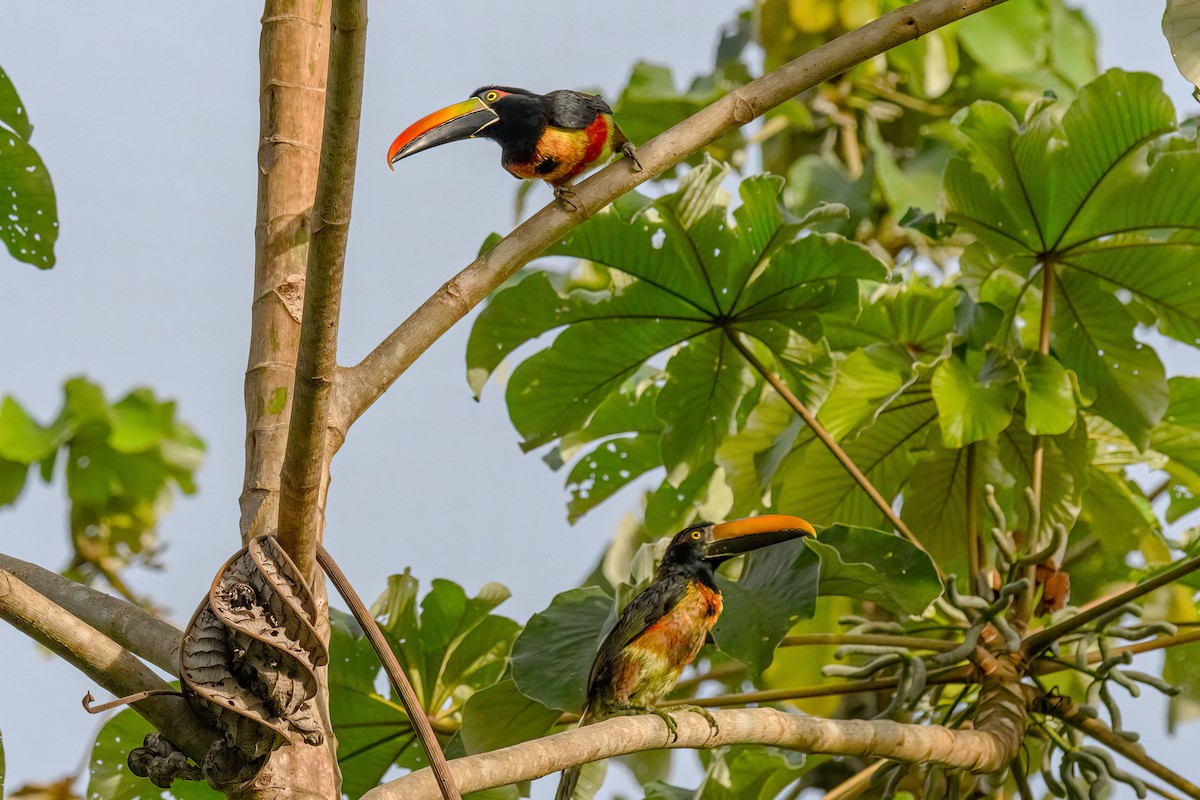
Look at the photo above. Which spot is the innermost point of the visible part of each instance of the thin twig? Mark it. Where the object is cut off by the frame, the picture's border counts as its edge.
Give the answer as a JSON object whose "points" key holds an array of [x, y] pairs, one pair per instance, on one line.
{"points": [[974, 543], [882, 639], [306, 460], [412, 704], [1039, 640], [827, 439], [856, 784], [1033, 537], [363, 383]]}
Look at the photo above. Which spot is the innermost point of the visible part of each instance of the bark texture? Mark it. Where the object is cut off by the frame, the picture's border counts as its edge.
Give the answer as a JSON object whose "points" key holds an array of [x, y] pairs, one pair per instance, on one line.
{"points": [[293, 59], [979, 750]]}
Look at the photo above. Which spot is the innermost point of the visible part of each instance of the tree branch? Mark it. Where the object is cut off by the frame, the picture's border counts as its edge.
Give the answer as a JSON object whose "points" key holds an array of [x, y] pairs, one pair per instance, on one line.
{"points": [[1069, 711], [1039, 640], [292, 52], [363, 383], [130, 626], [104, 661], [305, 462], [975, 750]]}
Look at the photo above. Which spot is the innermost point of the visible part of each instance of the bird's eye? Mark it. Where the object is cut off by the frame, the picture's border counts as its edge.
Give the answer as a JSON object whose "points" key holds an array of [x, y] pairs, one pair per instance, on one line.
{"points": [[696, 535], [491, 97]]}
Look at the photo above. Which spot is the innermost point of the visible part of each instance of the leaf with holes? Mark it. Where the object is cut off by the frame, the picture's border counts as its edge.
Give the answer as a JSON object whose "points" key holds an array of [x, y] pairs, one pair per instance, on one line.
{"points": [[29, 221], [670, 295]]}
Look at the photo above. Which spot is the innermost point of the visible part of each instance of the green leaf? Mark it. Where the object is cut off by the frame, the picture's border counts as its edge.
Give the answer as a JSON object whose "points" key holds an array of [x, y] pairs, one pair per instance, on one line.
{"points": [[752, 455], [1065, 468], [1049, 395], [12, 110], [816, 485], [750, 773], [451, 649], [12, 480], [1038, 41], [499, 716], [556, 390], [935, 500], [1119, 377], [604, 471], [29, 226], [667, 282], [22, 439], [707, 378], [974, 396], [553, 655], [109, 777], [880, 567], [778, 586]]}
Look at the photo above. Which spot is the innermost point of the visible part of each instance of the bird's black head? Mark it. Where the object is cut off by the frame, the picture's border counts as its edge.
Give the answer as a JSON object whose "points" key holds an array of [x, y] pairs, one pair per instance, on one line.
{"points": [[513, 117], [704, 545]]}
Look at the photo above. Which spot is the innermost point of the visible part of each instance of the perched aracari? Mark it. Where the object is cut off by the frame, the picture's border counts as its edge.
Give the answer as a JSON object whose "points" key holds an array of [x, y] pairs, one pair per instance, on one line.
{"points": [[555, 137], [664, 627]]}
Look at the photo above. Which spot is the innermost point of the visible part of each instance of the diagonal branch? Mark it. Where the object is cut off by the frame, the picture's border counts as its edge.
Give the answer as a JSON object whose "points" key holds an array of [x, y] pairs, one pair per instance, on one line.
{"points": [[975, 750], [130, 626], [361, 384], [305, 463], [831, 444], [1040, 640], [104, 661]]}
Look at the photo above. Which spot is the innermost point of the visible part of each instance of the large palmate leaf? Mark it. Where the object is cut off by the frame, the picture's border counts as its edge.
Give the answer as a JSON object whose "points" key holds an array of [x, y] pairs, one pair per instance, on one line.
{"points": [[451, 649], [670, 296], [1084, 190], [29, 225]]}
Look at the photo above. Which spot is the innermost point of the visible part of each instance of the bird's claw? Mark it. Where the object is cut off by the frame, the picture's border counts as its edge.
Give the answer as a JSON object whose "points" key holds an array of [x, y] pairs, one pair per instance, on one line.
{"points": [[704, 712], [630, 152], [564, 194]]}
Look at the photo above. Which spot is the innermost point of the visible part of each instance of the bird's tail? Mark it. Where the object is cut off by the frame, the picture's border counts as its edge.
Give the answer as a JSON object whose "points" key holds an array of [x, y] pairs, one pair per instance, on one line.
{"points": [[570, 775]]}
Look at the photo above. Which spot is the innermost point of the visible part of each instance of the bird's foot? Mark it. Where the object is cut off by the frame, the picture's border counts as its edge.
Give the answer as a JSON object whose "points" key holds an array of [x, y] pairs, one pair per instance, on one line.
{"points": [[630, 152], [704, 712], [668, 720], [564, 194]]}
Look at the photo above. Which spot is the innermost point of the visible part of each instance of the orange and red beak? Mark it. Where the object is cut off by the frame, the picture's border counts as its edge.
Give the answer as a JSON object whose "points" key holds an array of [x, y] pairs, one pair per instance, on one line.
{"points": [[741, 535], [463, 120]]}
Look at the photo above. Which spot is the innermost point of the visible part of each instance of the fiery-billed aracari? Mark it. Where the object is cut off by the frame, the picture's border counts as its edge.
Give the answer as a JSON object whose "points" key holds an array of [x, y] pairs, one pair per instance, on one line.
{"points": [[554, 137], [664, 627]]}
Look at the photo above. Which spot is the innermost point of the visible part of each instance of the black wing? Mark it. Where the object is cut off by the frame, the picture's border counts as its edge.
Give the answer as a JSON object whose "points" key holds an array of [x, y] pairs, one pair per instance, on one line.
{"points": [[574, 110], [643, 611]]}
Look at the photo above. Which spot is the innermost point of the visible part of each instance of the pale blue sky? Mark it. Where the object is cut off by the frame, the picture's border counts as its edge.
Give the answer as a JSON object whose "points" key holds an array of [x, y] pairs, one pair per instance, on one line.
{"points": [[147, 117]]}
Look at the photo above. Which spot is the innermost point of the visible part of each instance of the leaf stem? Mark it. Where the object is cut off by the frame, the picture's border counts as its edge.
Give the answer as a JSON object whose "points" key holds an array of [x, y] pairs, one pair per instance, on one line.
{"points": [[412, 704], [1033, 537], [827, 439], [974, 544]]}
